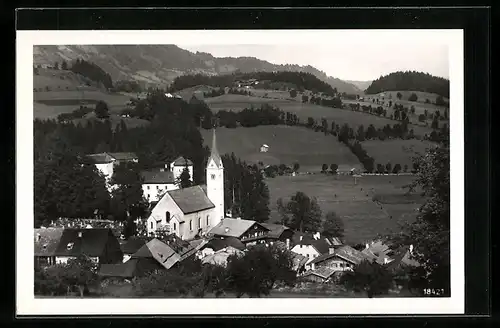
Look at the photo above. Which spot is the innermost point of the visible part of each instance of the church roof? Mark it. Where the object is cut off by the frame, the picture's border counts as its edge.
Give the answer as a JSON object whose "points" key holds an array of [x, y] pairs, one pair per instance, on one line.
{"points": [[214, 153], [181, 161], [192, 199], [157, 177]]}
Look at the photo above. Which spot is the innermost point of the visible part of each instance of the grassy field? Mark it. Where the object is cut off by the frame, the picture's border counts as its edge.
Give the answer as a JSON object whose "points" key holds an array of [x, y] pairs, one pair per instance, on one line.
{"points": [[287, 144], [395, 150], [363, 218], [340, 116]]}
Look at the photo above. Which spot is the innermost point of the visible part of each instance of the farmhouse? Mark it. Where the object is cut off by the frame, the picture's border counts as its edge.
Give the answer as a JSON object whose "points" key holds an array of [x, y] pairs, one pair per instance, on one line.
{"points": [[100, 245], [156, 182], [248, 231], [322, 274], [220, 257], [278, 232], [342, 259], [46, 242], [311, 246], [216, 244], [195, 210], [106, 162]]}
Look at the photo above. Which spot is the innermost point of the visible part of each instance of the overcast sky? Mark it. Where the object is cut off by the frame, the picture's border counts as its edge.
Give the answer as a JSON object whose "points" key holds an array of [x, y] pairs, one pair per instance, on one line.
{"points": [[353, 61]]}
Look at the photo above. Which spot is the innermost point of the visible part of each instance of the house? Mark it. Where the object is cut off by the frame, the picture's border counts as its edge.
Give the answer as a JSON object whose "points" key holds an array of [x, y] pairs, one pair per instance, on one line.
{"points": [[192, 211], [310, 245], [156, 182], [216, 244], [343, 259], [106, 162], [46, 242], [278, 232], [264, 148], [130, 247], [178, 165], [152, 256], [322, 274], [220, 257], [247, 231], [100, 245], [379, 252]]}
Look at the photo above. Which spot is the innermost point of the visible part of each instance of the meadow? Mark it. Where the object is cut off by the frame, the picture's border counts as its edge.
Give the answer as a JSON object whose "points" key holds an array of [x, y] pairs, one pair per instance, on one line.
{"points": [[395, 151], [363, 218], [287, 144], [305, 110]]}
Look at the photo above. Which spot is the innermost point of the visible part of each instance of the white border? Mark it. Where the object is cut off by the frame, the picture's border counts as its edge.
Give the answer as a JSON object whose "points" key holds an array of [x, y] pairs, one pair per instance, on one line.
{"points": [[28, 305]]}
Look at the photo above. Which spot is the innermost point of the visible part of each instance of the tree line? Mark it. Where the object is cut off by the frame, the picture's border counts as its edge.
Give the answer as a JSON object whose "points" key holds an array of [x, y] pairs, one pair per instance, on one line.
{"points": [[410, 80], [93, 72]]}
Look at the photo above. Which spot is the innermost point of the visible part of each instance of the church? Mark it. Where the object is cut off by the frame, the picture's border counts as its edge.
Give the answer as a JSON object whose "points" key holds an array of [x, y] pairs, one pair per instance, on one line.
{"points": [[195, 210]]}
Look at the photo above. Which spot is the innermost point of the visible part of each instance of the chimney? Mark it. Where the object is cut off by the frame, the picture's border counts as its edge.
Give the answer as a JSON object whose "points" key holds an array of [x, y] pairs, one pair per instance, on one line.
{"points": [[386, 260], [331, 250], [312, 266], [300, 238], [367, 246]]}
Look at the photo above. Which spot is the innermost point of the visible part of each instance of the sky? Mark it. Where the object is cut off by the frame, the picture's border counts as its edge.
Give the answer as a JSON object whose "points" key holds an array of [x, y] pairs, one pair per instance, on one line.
{"points": [[353, 61]]}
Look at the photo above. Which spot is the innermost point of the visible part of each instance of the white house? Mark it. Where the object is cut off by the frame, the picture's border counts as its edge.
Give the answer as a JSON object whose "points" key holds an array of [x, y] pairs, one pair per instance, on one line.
{"points": [[178, 165], [264, 148], [156, 183], [310, 246], [106, 162], [194, 210]]}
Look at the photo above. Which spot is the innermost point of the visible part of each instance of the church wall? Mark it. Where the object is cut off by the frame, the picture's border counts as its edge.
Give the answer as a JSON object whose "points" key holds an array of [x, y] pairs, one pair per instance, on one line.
{"points": [[159, 213], [198, 221]]}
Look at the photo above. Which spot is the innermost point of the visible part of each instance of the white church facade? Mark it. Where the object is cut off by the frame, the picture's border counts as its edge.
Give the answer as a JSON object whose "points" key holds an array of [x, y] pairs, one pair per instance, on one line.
{"points": [[195, 210]]}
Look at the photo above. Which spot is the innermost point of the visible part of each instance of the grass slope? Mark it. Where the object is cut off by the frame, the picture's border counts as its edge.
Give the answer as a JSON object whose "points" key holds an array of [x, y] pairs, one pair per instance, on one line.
{"points": [[305, 110], [395, 151], [363, 218], [287, 145]]}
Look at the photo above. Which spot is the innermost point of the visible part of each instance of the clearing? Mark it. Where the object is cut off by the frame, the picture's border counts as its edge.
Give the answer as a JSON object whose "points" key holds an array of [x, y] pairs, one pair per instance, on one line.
{"points": [[287, 144], [363, 218], [305, 110], [395, 151]]}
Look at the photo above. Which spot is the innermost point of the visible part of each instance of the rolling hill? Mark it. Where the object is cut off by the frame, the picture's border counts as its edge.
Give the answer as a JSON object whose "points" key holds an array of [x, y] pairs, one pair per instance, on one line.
{"points": [[161, 64], [410, 81], [361, 85]]}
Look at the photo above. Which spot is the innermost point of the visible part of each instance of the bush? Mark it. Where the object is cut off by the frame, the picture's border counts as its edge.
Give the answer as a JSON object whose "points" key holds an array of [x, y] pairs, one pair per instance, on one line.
{"points": [[371, 278], [413, 97]]}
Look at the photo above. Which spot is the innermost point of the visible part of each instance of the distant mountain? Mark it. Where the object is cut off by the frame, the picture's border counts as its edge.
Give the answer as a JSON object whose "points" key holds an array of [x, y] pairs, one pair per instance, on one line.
{"points": [[362, 85], [161, 64]]}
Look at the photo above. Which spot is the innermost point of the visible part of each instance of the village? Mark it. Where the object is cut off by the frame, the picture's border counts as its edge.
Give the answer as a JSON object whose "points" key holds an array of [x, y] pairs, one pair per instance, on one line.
{"points": [[184, 224]]}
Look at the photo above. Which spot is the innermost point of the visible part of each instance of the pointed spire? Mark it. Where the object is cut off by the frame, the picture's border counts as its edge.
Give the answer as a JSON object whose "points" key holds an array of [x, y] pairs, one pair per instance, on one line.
{"points": [[214, 153]]}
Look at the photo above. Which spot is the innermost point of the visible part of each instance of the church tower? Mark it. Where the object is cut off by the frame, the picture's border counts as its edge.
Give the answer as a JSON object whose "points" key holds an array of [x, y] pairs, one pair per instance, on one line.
{"points": [[215, 183]]}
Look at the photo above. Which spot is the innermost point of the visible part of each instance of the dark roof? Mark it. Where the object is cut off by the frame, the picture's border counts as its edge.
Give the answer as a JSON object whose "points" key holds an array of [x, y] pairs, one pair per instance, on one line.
{"points": [[46, 240], [192, 199], [92, 242], [101, 158], [123, 156], [132, 245], [321, 244], [159, 251], [233, 227], [157, 177], [275, 230], [218, 244], [181, 161]]}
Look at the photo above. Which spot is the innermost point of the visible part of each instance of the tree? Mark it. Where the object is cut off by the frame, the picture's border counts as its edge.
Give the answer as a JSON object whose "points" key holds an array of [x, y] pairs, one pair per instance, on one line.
{"points": [[405, 168], [128, 196], [324, 168], [396, 169], [64, 65], [334, 168], [388, 167], [413, 97], [440, 101], [101, 110], [302, 213], [296, 167], [399, 95], [371, 278], [56, 65], [293, 93], [305, 98], [421, 118], [184, 180], [430, 233], [333, 226]]}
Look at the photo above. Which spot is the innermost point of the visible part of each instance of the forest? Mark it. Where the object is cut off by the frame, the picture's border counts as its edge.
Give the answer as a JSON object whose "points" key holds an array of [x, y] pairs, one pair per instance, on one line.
{"points": [[93, 72], [410, 81]]}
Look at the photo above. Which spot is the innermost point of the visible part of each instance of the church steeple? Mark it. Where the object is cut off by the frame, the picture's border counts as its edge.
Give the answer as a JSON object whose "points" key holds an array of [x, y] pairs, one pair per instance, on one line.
{"points": [[214, 153]]}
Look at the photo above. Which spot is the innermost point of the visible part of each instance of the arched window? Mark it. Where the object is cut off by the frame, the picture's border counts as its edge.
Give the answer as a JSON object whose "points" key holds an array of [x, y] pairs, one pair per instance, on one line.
{"points": [[191, 225], [167, 215], [199, 222], [208, 222], [175, 227], [151, 224]]}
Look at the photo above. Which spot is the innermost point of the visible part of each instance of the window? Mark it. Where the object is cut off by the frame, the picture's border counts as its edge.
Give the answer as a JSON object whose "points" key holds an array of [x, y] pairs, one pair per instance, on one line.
{"points": [[207, 221], [147, 187], [151, 225], [167, 216], [191, 225], [199, 222], [334, 265], [213, 176], [175, 226], [157, 187]]}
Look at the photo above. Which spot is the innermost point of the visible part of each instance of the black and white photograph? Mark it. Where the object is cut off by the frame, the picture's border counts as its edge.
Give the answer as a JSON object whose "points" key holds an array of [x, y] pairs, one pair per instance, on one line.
{"points": [[176, 169]]}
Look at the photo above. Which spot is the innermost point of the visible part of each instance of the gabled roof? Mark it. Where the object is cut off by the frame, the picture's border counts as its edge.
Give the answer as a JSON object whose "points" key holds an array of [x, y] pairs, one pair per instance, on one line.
{"points": [[275, 230], [132, 245], [346, 253], [92, 242], [218, 244], [157, 177], [190, 200], [323, 272], [214, 153], [233, 227], [124, 156], [220, 257], [181, 161], [378, 251], [321, 244], [159, 251], [47, 240]]}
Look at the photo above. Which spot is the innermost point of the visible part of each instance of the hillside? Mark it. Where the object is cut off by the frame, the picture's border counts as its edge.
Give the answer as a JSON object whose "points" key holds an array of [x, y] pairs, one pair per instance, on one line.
{"points": [[161, 64], [410, 81], [361, 85]]}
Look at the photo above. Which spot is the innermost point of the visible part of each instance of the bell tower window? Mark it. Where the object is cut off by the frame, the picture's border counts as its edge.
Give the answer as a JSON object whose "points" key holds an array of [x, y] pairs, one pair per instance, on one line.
{"points": [[212, 176]]}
